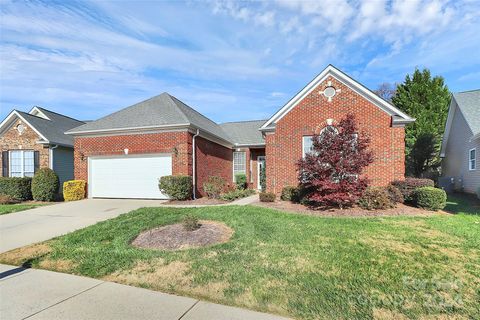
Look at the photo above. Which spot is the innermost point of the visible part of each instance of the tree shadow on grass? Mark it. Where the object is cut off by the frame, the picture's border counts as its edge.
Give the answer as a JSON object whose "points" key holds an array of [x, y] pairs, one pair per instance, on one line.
{"points": [[463, 203]]}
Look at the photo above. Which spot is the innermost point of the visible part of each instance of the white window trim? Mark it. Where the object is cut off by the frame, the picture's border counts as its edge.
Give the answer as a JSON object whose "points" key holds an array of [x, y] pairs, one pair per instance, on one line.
{"points": [[470, 160], [22, 152], [233, 164]]}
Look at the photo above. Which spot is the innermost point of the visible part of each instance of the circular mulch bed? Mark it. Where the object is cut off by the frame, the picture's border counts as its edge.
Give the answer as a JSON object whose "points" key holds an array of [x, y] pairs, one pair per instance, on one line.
{"points": [[175, 237]]}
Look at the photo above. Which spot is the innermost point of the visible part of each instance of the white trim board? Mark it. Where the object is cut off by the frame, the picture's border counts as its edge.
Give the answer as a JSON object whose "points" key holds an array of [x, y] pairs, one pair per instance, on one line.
{"points": [[38, 113], [8, 119], [349, 82]]}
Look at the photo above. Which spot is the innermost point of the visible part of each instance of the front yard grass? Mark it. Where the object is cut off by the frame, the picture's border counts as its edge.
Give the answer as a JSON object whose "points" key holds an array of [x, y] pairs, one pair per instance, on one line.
{"points": [[290, 264], [9, 208]]}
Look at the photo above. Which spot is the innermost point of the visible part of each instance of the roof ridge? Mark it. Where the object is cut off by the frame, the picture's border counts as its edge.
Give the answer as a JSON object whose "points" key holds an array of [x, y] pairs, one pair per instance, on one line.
{"points": [[186, 105], [172, 99], [57, 113], [30, 115], [243, 121], [467, 91]]}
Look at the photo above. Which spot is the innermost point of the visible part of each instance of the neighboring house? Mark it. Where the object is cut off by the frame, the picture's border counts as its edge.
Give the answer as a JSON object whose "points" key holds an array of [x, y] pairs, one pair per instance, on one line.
{"points": [[123, 154], [461, 142], [34, 140]]}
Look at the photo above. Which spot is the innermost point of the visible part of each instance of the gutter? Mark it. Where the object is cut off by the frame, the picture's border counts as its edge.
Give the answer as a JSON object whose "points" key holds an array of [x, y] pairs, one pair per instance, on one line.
{"points": [[194, 163], [50, 155]]}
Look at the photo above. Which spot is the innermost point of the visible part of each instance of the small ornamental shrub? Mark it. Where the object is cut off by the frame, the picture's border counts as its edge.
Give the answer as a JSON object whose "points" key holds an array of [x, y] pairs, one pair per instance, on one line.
{"points": [[241, 181], [289, 193], [267, 197], [375, 198], [236, 194], [430, 198], [190, 223], [6, 199], [394, 194], [332, 172], [45, 185], [17, 188], [74, 190], [176, 187], [214, 186], [408, 186]]}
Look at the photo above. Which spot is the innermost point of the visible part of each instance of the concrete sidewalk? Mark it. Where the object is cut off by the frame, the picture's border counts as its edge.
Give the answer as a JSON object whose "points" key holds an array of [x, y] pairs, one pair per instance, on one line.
{"points": [[40, 294]]}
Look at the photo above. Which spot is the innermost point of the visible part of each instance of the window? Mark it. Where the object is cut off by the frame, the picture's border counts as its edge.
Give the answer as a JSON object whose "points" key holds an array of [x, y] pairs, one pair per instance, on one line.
{"points": [[307, 145], [472, 159], [22, 163], [239, 163]]}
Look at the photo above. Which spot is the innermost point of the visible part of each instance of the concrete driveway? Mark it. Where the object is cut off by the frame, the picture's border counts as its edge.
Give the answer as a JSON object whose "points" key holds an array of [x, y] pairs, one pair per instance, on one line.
{"points": [[26, 227]]}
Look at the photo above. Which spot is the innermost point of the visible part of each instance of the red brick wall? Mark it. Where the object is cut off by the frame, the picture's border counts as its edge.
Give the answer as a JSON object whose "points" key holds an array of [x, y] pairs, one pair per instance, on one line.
{"points": [[179, 144], [212, 160], [284, 147]]}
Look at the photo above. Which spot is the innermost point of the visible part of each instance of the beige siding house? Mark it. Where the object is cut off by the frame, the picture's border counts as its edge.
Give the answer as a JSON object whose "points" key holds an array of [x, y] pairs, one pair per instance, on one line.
{"points": [[461, 142]]}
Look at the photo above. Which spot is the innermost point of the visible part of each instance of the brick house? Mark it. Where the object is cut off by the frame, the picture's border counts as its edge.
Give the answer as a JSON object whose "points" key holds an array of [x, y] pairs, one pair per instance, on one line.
{"points": [[123, 154], [34, 140]]}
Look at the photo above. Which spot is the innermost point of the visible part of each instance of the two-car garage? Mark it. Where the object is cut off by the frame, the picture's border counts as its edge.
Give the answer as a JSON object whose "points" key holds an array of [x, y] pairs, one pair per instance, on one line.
{"points": [[128, 176]]}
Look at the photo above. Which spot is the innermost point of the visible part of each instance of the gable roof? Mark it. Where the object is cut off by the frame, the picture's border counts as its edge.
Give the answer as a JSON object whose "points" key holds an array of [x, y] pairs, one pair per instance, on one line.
{"points": [[49, 125], [468, 104], [162, 111], [399, 117], [244, 133]]}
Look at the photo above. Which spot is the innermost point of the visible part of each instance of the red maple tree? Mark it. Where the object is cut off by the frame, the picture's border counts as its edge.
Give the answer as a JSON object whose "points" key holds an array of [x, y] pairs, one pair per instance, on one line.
{"points": [[330, 174]]}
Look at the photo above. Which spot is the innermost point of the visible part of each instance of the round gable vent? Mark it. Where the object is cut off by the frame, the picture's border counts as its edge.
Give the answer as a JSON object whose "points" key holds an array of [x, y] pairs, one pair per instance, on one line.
{"points": [[329, 92], [20, 128]]}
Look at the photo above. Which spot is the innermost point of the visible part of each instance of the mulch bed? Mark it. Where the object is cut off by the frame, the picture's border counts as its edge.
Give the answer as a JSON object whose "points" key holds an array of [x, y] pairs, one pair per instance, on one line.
{"points": [[400, 210], [196, 202], [175, 237]]}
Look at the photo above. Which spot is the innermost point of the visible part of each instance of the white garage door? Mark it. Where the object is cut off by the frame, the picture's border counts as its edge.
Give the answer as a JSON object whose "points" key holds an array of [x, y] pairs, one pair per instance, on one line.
{"points": [[131, 176]]}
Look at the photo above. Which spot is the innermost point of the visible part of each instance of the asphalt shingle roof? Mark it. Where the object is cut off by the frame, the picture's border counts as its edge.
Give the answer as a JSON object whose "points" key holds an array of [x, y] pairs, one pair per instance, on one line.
{"points": [[244, 132], [469, 104], [165, 109], [53, 129], [160, 110]]}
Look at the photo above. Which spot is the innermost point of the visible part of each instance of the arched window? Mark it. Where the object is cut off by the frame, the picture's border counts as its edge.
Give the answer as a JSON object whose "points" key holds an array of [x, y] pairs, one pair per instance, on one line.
{"points": [[328, 130], [307, 142]]}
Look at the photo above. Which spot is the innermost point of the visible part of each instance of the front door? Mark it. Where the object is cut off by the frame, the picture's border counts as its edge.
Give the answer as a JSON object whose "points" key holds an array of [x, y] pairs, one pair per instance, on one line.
{"points": [[260, 166]]}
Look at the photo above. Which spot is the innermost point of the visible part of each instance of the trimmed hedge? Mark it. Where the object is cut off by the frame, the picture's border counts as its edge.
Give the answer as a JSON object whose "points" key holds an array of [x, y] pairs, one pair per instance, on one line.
{"points": [[241, 181], [408, 186], [430, 198], [16, 188], [375, 198], [74, 190], [214, 186], [45, 185], [236, 194], [176, 187], [289, 193], [267, 197]]}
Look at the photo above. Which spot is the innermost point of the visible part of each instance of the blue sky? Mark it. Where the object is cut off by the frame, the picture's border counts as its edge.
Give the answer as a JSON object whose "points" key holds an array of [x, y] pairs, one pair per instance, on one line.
{"points": [[230, 60]]}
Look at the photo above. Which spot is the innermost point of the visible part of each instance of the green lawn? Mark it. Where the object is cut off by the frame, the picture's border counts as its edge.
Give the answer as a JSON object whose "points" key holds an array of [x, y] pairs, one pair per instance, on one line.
{"points": [[9, 208], [295, 265]]}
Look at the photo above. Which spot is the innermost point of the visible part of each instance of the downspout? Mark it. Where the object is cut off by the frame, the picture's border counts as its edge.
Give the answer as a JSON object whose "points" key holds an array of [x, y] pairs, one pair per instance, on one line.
{"points": [[194, 163], [51, 155]]}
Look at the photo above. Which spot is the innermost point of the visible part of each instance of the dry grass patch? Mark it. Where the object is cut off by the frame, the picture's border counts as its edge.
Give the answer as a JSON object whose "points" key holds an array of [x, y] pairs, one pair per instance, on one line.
{"points": [[19, 256], [386, 314], [58, 265]]}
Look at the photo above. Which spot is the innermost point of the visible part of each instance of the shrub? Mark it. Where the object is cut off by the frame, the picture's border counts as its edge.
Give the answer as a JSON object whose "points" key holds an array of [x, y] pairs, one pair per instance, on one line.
{"points": [[45, 185], [176, 187], [241, 181], [6, 199], [236, 194], [408, 186], [430, 198], [267, 197], [214, 186], [17, 188], [74, 190], [190, 223], [289, 193], [332, 171], [394, 194], [375, 198]]}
